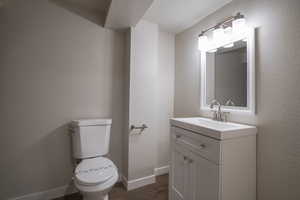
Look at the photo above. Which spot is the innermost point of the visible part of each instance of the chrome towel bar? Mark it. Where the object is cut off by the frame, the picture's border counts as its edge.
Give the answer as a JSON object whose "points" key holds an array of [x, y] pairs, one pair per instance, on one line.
{"points": [[143, 127]]}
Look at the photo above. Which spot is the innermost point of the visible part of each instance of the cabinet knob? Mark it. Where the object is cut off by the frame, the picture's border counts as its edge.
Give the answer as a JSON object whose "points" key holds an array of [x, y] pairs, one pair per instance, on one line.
{"points": [[202, 146], [178, 136]]}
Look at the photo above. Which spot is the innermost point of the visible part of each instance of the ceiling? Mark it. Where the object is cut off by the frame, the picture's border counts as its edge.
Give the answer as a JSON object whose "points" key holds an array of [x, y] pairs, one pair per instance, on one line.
{"points": [[177, 15], [173, 16], [92, 5], [126, 13], [93, 10], [114, 14]]}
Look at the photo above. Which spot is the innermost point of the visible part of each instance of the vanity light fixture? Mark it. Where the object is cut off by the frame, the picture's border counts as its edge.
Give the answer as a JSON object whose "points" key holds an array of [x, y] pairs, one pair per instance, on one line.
{"points": [[233, 25]]}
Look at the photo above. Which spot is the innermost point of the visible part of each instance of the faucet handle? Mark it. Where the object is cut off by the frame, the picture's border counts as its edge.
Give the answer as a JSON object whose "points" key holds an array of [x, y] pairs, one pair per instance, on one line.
{"points": [[225, 116], [214, 103], [214, 114]]}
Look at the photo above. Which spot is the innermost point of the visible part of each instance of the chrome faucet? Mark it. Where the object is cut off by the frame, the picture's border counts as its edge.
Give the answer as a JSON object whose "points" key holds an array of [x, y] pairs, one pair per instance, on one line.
{"points": [[218, 114]]}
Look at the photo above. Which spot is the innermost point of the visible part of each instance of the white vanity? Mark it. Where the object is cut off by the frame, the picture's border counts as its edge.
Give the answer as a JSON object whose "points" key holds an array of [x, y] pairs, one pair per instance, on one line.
{"points": [[212, 160]]}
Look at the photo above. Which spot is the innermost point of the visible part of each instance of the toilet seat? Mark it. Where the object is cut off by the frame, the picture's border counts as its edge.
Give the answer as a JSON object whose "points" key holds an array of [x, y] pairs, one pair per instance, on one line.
{"points": [[95, 171]]}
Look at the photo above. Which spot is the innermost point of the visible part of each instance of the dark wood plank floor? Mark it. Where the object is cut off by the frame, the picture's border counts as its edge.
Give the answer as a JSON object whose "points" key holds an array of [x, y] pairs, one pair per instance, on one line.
{"points": [[156, 191]]}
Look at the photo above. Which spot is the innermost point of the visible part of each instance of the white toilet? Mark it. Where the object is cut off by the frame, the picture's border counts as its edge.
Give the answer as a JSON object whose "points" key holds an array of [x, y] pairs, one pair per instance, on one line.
{"points": [[95, 175]]}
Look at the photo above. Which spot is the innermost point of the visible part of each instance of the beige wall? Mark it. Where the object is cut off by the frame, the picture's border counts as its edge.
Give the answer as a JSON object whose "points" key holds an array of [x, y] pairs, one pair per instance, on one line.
{"points": [[126, 89], [143, 99], [54, 67], [165, 80], [150, 80], [277, 80]]}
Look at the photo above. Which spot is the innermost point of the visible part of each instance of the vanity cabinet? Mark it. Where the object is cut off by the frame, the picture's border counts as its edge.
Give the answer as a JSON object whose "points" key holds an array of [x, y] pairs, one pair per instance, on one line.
{"points": [[187, 167], [182, 172], [206, 168]]}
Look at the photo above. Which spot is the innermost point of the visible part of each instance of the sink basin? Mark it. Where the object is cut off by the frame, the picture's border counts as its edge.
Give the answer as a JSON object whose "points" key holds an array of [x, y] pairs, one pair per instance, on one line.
{"points": [[214, 129], [220, 126]]}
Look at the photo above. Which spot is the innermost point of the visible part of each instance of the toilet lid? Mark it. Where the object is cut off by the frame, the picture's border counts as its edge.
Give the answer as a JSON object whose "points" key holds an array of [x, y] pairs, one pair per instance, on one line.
{"points": [[94, 171]]}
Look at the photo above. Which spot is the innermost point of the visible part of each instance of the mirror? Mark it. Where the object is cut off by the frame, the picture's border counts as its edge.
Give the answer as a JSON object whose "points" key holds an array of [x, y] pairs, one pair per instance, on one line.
{"points": [[227, 74]]}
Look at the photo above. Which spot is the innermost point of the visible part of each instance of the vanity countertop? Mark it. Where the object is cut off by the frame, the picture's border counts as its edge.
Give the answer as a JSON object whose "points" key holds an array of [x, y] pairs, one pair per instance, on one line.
{"points": [[214, 129]]}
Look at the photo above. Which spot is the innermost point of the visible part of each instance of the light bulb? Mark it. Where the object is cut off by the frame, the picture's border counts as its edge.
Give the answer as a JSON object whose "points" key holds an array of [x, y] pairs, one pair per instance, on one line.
{"points": [[202, 42], [218, 34]]}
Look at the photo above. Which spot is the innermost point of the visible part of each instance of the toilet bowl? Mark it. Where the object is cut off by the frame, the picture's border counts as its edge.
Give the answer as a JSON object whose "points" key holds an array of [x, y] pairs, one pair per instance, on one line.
{"points": [[95, 177]]}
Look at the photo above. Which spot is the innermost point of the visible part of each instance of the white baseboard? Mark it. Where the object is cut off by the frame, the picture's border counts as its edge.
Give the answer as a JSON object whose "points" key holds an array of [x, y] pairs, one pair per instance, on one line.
{"points": [[137, 183], [161, 170], [48, 194], [124, 180]]}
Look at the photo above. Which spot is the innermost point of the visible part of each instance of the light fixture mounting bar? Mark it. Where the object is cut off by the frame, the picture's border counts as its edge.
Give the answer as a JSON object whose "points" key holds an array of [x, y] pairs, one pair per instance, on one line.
{"points": [[228, 19]]}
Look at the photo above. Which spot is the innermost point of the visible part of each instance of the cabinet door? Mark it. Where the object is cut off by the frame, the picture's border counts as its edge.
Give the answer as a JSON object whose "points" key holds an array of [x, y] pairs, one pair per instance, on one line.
{"points": [[205, 179], [180, 174]]}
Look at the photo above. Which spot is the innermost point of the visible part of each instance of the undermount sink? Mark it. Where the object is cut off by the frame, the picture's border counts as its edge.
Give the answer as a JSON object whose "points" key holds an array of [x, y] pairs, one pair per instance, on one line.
{"points": [[215, 129]]}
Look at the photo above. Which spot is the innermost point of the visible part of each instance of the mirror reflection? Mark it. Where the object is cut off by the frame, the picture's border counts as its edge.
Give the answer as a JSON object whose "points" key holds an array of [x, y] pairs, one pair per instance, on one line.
{"points": [[226, 74]]}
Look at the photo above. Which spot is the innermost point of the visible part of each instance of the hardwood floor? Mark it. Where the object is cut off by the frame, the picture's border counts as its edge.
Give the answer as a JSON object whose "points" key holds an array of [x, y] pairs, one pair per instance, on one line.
{"points": [[156, 191]]}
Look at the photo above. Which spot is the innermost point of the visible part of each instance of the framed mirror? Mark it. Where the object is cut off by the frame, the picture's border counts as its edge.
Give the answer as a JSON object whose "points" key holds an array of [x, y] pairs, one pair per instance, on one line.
{"points": [[228, 73]]}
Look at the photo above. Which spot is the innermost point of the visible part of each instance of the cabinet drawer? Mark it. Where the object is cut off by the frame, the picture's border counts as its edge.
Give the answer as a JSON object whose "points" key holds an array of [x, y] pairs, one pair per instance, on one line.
{"points": [[204, 146]]}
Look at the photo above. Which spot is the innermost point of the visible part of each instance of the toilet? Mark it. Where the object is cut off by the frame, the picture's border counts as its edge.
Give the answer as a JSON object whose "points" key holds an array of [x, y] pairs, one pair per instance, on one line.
{"points": [[95, 175]]}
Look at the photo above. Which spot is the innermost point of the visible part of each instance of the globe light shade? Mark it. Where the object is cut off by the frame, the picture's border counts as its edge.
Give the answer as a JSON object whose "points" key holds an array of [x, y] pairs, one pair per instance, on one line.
{"points": [[202, 42], [228, 30], [213, 51], [218, 34], [229, 45], [239, 25]]}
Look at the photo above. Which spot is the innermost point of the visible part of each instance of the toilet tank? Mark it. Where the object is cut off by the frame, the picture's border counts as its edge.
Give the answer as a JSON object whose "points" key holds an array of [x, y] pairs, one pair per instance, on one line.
{"points": [[90, 137]]}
